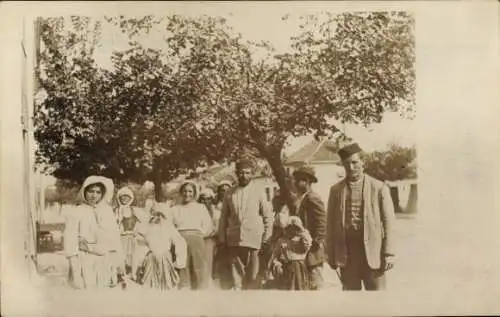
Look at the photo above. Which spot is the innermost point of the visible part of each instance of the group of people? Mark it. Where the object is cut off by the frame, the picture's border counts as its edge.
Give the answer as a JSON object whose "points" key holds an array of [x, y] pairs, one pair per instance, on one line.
{"points": [[233, 239]]}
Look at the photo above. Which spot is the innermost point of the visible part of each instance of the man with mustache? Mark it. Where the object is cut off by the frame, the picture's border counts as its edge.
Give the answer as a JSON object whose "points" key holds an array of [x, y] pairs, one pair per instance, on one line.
{"points": [[360, 218]]}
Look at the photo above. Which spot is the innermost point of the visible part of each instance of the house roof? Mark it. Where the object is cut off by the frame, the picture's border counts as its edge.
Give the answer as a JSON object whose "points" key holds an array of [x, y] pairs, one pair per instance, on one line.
{"points": [[315, 151]]}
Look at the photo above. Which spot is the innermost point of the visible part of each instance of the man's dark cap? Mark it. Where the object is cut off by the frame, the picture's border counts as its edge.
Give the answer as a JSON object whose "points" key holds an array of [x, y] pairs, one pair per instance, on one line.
{"points": [[245, 163], [349, 150]]}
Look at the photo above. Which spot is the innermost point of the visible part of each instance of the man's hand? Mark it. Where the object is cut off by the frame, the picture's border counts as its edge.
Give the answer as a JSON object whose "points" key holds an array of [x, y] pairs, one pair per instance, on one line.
{"points": [[387, 262], [277, 268], [83, 245]]}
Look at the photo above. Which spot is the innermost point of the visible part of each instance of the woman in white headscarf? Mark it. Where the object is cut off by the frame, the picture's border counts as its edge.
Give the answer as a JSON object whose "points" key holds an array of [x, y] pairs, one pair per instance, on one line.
{"points": [[207, 197], [92, 238]]}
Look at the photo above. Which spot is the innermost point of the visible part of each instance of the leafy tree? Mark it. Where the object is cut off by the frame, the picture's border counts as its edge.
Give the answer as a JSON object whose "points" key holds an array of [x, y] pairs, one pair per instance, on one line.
{"points": [[397, 163], [206, 94], [121, 123], [68, 77], [334, 71]]}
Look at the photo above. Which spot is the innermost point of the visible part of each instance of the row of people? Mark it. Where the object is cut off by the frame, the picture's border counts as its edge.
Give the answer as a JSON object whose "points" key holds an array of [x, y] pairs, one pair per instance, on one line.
{"points": [[238, 242]]}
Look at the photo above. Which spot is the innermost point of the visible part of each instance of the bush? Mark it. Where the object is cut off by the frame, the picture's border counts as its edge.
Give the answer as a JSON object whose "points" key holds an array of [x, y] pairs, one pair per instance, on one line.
{"points": [[397, 163]]}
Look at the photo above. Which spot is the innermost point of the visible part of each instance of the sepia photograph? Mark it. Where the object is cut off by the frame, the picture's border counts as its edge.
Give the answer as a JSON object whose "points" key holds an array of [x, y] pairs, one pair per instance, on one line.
{"points": [[220, 148]]}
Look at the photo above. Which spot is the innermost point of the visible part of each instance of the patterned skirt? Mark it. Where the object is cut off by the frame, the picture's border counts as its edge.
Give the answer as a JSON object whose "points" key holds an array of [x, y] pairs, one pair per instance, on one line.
{"points": [[158, 272], [294, 277]]}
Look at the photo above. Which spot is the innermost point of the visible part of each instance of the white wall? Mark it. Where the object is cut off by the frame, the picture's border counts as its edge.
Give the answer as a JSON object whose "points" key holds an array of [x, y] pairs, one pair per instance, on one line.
{"points": [[327, 175]]}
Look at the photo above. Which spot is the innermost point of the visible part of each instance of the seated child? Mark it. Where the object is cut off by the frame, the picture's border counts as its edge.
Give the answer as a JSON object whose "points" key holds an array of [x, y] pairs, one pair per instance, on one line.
{"points": [[159, 269], [287, 267]]}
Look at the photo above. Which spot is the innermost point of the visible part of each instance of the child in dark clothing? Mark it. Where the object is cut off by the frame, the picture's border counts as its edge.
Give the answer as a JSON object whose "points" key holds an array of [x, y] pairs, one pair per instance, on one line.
{"points": [[127, 221], [286, 268]]}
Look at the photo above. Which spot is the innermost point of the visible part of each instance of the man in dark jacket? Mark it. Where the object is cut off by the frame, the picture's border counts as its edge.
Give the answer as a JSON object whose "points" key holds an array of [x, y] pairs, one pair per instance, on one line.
{"points": [[311, 210]]}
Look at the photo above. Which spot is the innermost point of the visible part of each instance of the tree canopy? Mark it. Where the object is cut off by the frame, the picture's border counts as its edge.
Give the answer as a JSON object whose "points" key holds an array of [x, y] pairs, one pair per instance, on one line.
{"points": [[205, 93]]}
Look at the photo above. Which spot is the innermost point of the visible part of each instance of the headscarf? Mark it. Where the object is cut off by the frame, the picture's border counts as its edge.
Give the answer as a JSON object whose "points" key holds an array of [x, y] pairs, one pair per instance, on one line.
{"points": [[124, 191], [207, 192], [224, 182], [109, 232], [108, 188], [295, 221], [195, 186]]}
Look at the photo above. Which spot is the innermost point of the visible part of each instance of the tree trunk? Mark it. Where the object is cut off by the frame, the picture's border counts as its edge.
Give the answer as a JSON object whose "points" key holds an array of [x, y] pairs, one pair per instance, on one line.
{"points": [[157, 179], [273, 157]]}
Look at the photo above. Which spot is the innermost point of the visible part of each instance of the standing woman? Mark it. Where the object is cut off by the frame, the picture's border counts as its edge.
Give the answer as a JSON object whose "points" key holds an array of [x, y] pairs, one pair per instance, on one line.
{"points": [[92, 238], [207, 197], [221, 191], [193, 222], [222, 266]]}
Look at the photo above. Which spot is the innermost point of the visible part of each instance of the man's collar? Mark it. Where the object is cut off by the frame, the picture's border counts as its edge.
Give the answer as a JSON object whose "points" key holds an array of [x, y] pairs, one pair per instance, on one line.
{"points": [[360, 180]]}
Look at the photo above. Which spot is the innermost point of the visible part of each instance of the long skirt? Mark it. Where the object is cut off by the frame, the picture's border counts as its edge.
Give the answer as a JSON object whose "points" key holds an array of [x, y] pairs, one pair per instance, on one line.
{"points": [[294, 277], [159, 272], [129, 245], [195, 275], [90, 271]]}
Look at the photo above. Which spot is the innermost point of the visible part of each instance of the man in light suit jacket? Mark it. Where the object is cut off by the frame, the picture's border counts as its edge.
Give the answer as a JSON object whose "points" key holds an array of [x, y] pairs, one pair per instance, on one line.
{"points": [[359, 225], [311, 210], [245, 226]]}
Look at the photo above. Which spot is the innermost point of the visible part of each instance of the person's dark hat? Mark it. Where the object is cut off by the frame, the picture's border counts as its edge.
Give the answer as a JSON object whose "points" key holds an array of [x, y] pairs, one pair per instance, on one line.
{"points": [[308, 171], [245, 163], [349, 150]]}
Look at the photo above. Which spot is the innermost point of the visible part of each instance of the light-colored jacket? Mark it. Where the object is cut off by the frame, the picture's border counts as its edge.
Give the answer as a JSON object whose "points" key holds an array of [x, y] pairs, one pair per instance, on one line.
{"points": [[97, 225], [249, 226], [378, 213]]}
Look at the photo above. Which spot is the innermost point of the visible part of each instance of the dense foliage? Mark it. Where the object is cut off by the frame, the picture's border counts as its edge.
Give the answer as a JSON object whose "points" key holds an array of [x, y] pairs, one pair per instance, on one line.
{"points": [[205, 96], [397, 163]]}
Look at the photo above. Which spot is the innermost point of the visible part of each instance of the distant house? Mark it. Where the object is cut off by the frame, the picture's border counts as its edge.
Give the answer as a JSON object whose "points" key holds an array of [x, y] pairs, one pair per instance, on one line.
{"points": [[322, 155]]}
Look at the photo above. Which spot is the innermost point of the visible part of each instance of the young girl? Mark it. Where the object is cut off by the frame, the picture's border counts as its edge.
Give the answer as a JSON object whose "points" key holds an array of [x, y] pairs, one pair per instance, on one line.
{"points": [[287, 264], [159, 269], [127, 221]]}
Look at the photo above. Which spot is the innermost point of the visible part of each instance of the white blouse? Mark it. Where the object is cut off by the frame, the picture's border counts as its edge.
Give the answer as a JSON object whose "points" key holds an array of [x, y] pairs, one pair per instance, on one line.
{"points": [[96, 225], [192, 216]]}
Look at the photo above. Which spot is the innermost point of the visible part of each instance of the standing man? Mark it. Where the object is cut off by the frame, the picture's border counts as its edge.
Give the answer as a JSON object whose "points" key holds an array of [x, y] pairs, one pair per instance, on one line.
{"points": [[311, 210], [359, 225], [246, 224]]}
